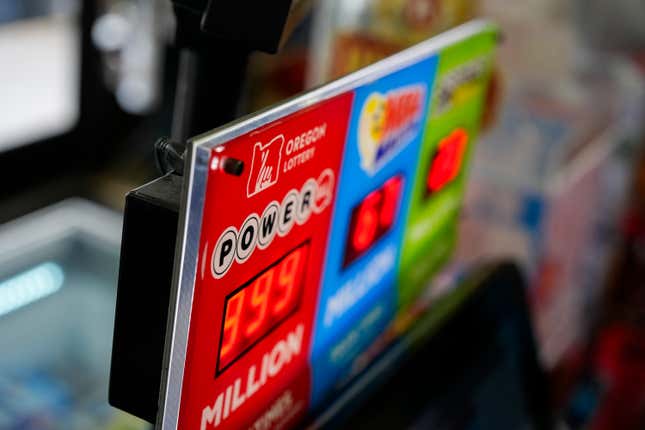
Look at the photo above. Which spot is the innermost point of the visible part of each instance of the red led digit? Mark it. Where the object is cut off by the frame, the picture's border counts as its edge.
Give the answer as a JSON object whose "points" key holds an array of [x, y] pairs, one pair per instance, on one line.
{"points": [[391, 191], [447, 161], [232, 324], [372, 218], [258, 303], [287, 280], [367, 222]]}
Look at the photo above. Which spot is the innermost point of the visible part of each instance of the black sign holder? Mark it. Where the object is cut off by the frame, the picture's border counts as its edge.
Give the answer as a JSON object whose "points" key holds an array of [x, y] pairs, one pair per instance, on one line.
{"points": [[215, 40]]}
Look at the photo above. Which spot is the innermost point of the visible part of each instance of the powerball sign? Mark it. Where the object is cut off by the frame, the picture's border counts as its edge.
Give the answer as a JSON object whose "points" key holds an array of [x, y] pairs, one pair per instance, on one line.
{"points": [[294, 228]]}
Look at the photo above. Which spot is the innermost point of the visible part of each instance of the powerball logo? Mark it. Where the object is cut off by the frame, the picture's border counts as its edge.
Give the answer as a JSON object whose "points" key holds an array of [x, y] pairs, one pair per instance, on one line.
{"points": [[265, 166], [387, 123]]}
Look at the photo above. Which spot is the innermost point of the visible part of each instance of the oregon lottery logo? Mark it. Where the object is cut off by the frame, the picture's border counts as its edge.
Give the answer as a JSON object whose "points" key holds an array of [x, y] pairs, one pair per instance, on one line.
{"points": [[387, 123], [265, 165], [278, 218]]}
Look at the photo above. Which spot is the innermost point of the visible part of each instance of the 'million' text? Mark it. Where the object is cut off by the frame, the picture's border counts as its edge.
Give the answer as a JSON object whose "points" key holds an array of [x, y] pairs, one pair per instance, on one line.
{"points": [[257, 376]]}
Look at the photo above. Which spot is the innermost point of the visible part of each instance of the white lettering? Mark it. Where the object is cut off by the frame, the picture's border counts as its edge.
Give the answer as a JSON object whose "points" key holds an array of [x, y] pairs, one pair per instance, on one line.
{"points": [[356, 288], [298, 159], [306, 138], [280, 409], [252, 386], [278, 218], [288, 212], [277, 359], [238, 399], [247, 238], [268, 224], [227, 401], [224, 252], [213, 415], [236, 394], [305, 201]]}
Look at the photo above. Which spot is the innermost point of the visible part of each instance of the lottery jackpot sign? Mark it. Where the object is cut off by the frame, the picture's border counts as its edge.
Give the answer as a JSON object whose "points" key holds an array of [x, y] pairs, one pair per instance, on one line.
{"points": [[290, 267]]}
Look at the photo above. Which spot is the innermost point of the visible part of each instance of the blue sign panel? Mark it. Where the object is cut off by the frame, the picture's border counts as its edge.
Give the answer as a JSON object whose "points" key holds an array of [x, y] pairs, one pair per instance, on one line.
{"points": [[358, 294]]}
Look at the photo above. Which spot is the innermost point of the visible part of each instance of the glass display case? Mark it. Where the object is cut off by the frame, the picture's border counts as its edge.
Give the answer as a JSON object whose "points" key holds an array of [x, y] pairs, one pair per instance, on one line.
{"points": [[58, 271]]}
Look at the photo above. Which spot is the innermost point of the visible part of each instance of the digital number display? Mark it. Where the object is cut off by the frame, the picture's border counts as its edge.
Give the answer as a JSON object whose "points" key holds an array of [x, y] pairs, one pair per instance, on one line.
{"points": [[372, 218], [447, 160], [257, 307]]}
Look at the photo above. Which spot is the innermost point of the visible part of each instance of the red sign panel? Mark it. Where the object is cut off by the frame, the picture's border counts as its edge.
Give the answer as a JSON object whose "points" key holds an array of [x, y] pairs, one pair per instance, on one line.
{"points": [[250, 312]]}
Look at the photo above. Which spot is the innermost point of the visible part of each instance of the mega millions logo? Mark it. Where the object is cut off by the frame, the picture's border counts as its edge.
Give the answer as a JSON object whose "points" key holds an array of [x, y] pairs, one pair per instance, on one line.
{"points": [[388, 122]]}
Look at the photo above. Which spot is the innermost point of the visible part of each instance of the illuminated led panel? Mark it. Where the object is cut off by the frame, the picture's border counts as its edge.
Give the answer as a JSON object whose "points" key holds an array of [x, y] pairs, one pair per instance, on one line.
{"points": [[447, 160], [257, 307], [372, 218]]}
